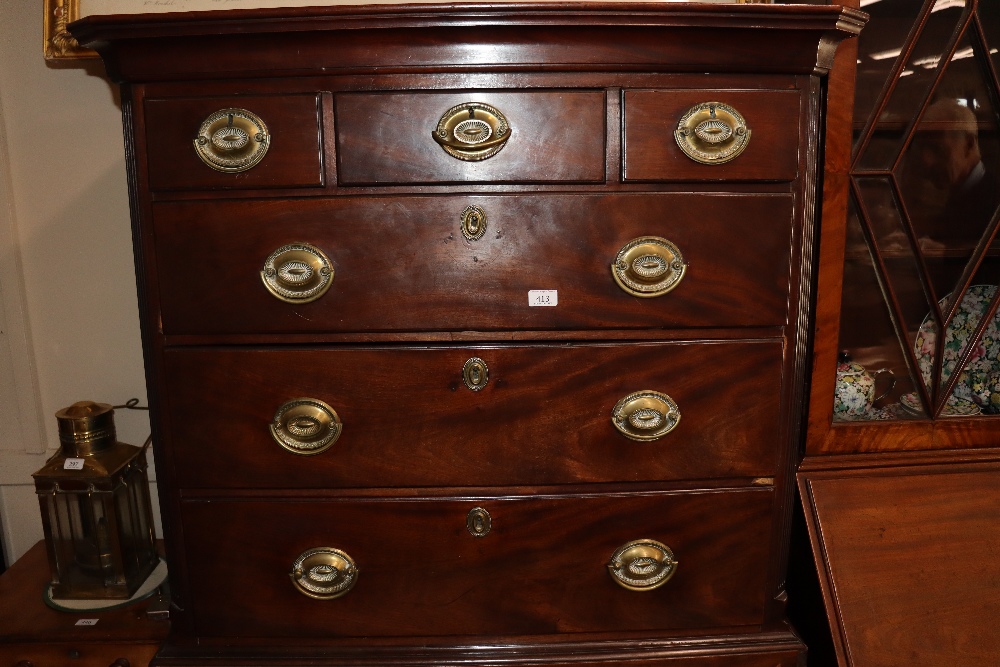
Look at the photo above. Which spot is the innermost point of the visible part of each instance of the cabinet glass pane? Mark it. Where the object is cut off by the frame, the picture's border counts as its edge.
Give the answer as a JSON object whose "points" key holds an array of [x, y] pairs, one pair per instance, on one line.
{"points": [[922, 239]]}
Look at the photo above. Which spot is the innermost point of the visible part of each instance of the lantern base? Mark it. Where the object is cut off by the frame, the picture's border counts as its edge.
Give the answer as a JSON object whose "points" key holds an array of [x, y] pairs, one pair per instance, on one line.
{"points": [[156, 579]]}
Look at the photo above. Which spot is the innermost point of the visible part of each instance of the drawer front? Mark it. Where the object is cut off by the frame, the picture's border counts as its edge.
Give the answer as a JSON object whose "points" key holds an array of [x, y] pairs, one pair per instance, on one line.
{"points": [[544, 415], [653, 154], [386, 138], [403, 264], [541, 568], [293, 157]]}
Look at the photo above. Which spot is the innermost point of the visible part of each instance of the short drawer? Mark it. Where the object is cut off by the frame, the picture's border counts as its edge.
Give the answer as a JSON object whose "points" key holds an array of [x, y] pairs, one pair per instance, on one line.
{"points": [[771, 152], [541, 568], [293, 157], [543, 414], [386, 138], [404, 263]]}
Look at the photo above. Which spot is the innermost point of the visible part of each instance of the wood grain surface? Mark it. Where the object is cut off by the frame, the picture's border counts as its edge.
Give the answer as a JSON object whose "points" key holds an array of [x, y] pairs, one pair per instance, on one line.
{"points": [[906, 552], [541, 569], [385, 138], [402, 264], [544, 416]]}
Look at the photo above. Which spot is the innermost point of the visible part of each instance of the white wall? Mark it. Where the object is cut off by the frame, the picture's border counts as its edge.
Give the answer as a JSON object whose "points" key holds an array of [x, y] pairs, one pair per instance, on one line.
{"points": [[69, 326]]}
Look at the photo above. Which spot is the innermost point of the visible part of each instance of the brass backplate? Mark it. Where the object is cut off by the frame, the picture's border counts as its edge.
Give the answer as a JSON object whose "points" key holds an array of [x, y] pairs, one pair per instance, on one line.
{"points": [[306, 426], [648, 266], [232, 140], [324, 573], [297, 273], [712, 133], [645, 415], [472, 131], [642, 565]]}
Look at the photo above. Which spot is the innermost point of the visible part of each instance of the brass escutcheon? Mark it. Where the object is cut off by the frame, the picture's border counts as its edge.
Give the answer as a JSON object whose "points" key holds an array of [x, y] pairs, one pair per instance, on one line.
{"points": [[472, 131], [712, 133], [324, 573], [478, 522], [475, 374], [648, 266], [645, 415], [232, 140], [642, 565], [306, 426], [297, 273], [473, 222]]}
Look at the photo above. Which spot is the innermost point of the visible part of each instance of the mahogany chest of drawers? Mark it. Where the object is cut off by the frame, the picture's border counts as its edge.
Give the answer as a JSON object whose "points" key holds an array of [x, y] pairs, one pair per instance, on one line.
{"points": [[475, 334]]}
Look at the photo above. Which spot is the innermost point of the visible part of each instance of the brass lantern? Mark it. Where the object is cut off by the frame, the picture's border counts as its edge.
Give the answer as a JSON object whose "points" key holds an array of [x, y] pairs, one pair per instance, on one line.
{"points": [[96, 513]]}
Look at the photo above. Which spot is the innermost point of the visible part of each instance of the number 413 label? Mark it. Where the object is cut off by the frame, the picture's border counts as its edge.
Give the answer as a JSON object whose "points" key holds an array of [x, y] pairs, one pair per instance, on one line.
{"points": [[543, 297]]}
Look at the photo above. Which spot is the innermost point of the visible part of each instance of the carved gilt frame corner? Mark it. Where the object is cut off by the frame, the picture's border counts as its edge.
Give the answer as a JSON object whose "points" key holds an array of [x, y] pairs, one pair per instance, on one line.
{"points": [[58, 44]]}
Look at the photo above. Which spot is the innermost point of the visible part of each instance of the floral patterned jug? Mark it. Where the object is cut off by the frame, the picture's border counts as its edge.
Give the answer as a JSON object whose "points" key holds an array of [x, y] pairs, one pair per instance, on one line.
{"points": [[855, 392]]}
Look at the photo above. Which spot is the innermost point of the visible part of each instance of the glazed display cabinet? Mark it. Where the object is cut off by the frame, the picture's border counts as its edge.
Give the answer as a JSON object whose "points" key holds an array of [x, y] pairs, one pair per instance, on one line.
{"points": [[902, 466], [476, 334]]}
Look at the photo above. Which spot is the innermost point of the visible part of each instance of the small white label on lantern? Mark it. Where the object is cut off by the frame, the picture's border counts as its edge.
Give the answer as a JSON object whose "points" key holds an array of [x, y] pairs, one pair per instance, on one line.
{"points": [[88, 621], [543, 297], [73, 464]]}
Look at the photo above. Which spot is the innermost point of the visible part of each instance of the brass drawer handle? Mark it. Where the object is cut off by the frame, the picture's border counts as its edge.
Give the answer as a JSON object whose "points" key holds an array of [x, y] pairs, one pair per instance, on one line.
{"points": [[642, 565], [472, 131], [297, 273], [306, 426], [648, 266], [712, 133], [324, 573], [645, 415], [232, 140]]}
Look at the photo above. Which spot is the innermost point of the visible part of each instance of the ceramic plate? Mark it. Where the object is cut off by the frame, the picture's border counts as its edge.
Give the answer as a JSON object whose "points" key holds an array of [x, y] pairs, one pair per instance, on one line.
{"points": [[956, 407], [888, 413], [970, 312]]}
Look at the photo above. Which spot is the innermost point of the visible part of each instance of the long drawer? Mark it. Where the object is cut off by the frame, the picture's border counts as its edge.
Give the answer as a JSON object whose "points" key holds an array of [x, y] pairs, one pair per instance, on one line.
{"points": [[398, 264], [542, 567], [407, 418]]}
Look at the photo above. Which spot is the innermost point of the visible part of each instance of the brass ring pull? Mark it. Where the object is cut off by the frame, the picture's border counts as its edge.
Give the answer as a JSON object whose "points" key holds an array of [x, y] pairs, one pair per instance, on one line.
{"points": [[232, 140], [642, 565], [648, 266], [306, 426], [324, 573], [472, 131], [475, 374], [712, 133], [297, 273], [645, 415]]}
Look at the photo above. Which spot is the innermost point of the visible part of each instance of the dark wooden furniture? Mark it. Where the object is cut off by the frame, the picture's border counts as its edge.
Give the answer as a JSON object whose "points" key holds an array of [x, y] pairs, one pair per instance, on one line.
{"points": [[479, 485], [900, 502], [32, 634]]}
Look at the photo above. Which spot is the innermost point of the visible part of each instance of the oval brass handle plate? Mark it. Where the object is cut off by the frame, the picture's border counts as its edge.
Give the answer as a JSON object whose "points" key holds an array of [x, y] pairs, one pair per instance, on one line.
{"points": [[306, 426], [648, 266], [472, 131], [712, 133], [645, 415], [642, 565], [478, 522], [232, 140], [473, 222], [324, 573], [475, 374], [297, 273]]}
